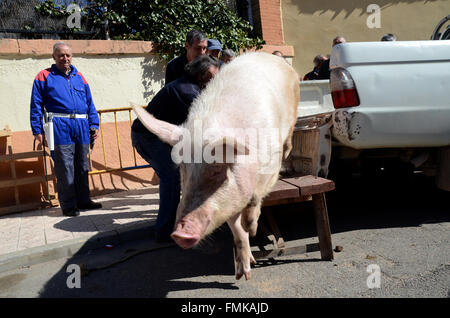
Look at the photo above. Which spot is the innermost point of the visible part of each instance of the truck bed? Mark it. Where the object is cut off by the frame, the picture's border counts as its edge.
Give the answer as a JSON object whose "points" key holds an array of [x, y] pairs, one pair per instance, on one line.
{"points": [[404, 92]]}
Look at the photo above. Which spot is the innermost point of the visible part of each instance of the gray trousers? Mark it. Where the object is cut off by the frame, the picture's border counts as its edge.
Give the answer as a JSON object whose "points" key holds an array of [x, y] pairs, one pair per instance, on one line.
{"points": [[71, 170]]}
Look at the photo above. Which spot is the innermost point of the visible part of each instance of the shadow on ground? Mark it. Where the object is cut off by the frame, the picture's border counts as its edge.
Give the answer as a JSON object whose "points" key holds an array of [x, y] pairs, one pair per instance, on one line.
{"points": [[150, 274], [382, 201], [126, 203]]}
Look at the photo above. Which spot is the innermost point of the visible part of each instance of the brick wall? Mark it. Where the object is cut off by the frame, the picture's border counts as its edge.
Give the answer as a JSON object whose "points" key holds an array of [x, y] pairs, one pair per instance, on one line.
{"points": [[267, 20]]}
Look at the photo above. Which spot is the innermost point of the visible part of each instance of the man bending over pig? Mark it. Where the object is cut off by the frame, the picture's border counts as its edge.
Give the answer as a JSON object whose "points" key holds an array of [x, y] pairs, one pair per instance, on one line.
{"points": [[171, 104]]}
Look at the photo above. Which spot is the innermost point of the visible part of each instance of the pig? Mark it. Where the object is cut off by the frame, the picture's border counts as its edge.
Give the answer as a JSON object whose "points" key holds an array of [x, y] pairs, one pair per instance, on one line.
{"points": [[255, 92]]}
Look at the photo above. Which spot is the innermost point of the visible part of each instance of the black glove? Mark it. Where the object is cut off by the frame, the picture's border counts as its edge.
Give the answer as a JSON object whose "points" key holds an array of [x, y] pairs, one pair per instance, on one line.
{"points": [[91, 136]]}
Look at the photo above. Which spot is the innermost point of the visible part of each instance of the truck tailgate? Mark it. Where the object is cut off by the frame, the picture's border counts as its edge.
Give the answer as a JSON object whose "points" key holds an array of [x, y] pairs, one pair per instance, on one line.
{"points": [[403, 89]]}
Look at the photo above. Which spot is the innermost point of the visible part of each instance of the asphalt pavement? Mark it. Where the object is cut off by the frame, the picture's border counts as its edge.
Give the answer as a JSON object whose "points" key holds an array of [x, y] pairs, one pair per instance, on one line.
{"points": [[394, 234]]}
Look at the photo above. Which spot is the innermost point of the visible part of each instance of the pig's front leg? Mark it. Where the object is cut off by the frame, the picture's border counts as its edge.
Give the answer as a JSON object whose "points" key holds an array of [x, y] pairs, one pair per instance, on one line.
{"points": [[243, 255]]}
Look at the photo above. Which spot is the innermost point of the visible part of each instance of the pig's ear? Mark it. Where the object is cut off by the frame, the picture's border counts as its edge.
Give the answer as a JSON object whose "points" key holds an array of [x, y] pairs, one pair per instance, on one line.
{"points": [[165, 131], [226, 149]]}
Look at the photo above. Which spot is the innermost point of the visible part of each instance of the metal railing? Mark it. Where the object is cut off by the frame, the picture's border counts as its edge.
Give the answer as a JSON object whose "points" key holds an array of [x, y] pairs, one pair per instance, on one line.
{"points": [[122, 168]]}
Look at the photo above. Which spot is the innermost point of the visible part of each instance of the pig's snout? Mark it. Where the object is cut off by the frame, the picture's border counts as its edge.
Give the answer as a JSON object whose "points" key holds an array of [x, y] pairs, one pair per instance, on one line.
{"points": [[185, 240], [188, 233]]}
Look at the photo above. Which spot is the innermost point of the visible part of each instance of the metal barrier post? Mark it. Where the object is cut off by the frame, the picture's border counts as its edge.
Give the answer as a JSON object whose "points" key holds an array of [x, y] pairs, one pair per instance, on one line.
{"points": [[122, 168]]}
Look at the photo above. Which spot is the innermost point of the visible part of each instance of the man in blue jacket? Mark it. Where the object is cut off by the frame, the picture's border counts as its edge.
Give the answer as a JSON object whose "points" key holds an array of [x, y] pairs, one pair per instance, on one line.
{"points": [[62, 95]]}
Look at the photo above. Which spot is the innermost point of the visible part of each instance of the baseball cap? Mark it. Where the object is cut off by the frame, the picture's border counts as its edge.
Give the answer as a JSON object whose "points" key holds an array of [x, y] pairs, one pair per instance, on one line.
{"points": [[214, 44]]}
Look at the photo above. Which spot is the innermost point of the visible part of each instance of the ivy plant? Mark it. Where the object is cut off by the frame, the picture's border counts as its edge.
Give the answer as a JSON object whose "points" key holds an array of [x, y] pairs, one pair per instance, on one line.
{"points": [[165, 22]]}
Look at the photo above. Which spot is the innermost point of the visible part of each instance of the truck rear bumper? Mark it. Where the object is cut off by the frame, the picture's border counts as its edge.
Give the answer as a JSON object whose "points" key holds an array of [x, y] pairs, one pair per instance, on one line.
{"points": [[383, 127]]}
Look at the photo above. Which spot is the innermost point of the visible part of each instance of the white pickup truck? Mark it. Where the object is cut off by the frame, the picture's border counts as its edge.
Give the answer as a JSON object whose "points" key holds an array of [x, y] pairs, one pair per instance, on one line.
{"points": [[390, 100]]}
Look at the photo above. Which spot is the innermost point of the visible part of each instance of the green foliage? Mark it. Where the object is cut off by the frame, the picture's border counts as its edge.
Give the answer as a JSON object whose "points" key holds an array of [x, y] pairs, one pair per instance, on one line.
{"points": [[49, 9], [166, 22]]}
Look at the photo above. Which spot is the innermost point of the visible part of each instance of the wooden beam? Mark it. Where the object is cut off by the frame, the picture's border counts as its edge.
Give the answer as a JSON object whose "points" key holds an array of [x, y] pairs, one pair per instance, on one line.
{"points": [[279, 241], [21, 155], [309, 185], [267, 203], [282, 190], [12, 165], [23, 181], [323, 226]]}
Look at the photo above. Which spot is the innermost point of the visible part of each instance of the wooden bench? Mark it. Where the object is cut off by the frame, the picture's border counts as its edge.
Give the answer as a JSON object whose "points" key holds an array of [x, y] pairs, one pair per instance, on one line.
{"points": [[293, 190]]}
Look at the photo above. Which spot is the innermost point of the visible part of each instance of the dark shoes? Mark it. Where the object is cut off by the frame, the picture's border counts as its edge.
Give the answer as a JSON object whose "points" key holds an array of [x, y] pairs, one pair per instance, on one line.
{"points": [[71, 212], [91, 205]]}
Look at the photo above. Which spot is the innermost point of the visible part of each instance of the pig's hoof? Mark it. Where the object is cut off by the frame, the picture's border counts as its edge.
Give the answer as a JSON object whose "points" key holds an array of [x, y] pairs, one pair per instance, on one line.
{"points": [[246, 274], [243, 267]]}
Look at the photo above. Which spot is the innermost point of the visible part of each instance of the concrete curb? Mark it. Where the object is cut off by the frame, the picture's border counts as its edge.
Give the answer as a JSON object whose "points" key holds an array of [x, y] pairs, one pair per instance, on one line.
{"points": [[69, 248]]}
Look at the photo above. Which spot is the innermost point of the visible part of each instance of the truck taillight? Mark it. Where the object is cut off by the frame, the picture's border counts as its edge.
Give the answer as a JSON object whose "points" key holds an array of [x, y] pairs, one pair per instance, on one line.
{"points": [[343, 89]]}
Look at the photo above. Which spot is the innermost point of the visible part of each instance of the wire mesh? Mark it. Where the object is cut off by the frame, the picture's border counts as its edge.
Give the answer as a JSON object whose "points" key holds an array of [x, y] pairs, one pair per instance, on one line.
{"points": [[20, 19]]}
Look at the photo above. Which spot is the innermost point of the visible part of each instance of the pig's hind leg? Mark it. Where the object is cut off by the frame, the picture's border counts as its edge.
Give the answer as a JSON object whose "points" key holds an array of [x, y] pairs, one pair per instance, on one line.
{"points": [[250, 215], [243, 255]]}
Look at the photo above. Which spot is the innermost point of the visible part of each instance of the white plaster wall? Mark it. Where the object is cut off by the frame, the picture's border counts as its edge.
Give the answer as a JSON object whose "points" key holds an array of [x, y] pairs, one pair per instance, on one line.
{"points": [[115, 81]]}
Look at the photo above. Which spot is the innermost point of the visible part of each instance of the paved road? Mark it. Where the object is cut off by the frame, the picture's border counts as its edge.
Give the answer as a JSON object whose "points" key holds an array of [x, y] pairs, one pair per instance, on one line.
{"points": [[405, 233]]}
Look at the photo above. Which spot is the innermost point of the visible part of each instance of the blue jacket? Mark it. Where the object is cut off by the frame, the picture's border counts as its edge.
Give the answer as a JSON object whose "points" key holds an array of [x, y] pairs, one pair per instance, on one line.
{"points": [[60, 93]]}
